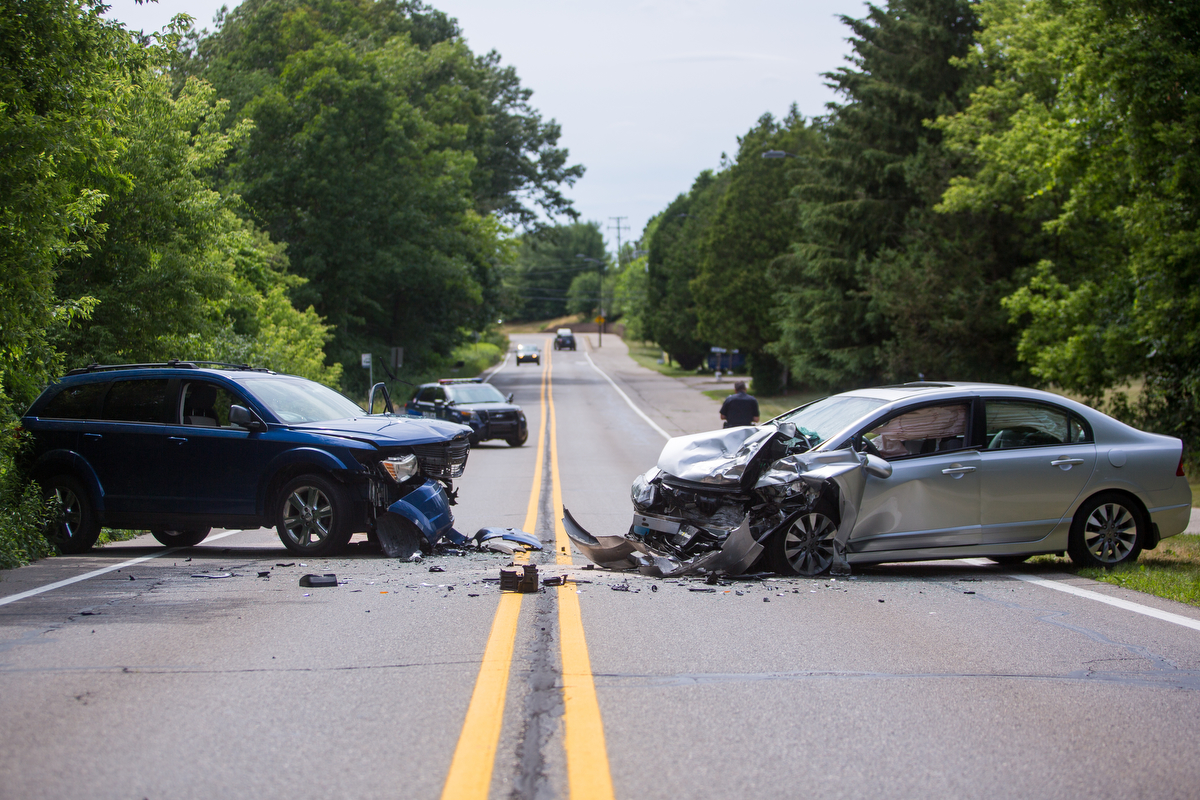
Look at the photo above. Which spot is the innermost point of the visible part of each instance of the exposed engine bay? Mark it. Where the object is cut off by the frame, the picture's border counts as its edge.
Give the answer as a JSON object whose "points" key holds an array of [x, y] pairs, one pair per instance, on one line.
{"points": [[731, 499]]}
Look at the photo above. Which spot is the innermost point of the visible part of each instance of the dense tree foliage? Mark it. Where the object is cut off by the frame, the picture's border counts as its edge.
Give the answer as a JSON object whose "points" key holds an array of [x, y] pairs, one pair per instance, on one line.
{"points": [[1087, 129], [387, 157], [547, 262]]}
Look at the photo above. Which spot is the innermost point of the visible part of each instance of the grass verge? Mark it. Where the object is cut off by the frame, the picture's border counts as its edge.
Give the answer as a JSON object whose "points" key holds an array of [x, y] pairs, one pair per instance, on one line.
{"points": [[1171, 571], [650, 356]]}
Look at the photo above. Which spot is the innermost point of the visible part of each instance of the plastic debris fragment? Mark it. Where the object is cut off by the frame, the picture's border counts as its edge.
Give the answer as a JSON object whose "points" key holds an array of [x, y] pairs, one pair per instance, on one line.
{"points": [[317, 581], [525, 582]]}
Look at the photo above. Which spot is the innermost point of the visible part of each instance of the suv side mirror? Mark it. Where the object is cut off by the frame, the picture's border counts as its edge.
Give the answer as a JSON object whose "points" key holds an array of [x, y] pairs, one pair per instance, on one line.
{"points": [[243, 417], [509, 398]]}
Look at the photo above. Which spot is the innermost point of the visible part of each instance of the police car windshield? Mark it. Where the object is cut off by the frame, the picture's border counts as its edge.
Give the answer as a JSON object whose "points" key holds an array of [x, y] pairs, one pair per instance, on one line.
{"points": [[298, 400], [474, 393]]}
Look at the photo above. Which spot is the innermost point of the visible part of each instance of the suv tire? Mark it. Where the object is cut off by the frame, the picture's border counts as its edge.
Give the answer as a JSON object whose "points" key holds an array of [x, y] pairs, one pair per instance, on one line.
{"points": [[73, 526], [312, 516]]}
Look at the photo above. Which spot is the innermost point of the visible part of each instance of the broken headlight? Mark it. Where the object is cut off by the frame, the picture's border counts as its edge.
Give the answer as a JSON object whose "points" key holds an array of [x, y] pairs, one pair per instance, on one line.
{"points": [[401, 468], [642, 492]]}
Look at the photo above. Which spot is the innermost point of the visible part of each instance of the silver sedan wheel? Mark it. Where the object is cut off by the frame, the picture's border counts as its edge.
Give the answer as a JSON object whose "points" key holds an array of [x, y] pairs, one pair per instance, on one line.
{"points": [[307, 516], [808, 543], [1110, 533]]}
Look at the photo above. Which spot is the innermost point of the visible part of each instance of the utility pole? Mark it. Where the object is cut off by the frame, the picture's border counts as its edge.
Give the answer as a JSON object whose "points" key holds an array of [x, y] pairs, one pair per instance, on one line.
{"points": [[620, 225]]}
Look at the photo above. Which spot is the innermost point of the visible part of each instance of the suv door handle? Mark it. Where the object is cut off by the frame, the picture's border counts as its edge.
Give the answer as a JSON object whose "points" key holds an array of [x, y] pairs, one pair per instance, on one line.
{"points": [[1066, 463], [177, 439], [93, 436]]}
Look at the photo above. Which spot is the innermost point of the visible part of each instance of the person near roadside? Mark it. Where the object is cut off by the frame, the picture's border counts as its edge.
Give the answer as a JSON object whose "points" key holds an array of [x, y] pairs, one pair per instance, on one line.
{"points": [[739, 408]]}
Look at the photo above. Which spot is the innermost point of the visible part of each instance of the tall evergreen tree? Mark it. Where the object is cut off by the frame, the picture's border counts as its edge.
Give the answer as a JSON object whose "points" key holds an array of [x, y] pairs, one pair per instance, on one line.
{"points": [[877, 288]]}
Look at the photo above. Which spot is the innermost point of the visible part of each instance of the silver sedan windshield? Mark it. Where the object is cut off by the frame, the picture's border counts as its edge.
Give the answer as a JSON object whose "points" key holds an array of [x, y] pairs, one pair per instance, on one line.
{"points": [[299, 400], [822, 419]]}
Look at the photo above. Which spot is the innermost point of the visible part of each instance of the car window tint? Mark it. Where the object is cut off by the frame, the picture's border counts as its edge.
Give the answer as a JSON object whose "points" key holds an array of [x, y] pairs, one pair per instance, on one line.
{"points": [[926, 430], [475, 393], [298, 400], [1023, 424], [207, 404], [75, 402], [136, 401]]}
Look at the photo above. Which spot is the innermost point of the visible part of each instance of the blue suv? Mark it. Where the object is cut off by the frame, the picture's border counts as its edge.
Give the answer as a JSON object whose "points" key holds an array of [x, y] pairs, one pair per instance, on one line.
{"points": [[181, 447]]}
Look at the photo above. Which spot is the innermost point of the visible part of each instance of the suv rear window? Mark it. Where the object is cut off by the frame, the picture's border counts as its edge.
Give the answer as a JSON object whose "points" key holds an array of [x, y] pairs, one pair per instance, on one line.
{"points": [[74, 402], [136, 401]]}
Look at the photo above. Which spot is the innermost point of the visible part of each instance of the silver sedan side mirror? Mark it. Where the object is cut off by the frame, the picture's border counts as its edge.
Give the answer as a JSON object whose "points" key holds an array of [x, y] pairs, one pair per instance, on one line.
{"points": [[877, 466]]}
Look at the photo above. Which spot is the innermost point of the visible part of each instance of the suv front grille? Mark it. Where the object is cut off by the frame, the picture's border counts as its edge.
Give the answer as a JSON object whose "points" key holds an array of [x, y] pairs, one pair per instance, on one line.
{"points": [[444, 459]]}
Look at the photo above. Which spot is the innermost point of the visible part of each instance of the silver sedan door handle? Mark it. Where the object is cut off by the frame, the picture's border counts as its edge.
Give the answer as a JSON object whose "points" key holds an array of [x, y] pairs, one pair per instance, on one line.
{"points": [[1066, 463], [957, 471]]}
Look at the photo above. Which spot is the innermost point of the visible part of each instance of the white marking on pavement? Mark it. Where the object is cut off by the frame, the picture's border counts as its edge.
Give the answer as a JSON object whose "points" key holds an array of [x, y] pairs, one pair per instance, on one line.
{"points": [[502, 365], [59, 584], [1137, 608], [636, 410]]}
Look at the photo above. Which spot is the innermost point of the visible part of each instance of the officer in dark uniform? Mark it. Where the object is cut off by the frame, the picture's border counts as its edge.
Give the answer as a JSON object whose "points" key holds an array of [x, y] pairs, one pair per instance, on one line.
{"points": [[740, 408]]}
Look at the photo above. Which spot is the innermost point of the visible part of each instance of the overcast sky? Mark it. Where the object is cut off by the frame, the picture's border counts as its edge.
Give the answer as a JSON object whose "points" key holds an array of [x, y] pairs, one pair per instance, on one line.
{"points": [[648, 92]]}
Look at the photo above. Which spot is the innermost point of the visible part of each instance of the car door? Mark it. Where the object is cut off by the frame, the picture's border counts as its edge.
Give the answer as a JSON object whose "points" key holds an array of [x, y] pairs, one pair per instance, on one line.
{"points": [[1038, 458], [931, 498], [126, 446], [217, 466], [426, 404]]}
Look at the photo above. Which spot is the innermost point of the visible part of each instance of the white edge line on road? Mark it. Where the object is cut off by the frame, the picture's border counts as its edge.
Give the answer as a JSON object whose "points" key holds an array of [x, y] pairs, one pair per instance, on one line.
{"points": [[1137, 608], [636, 410], [501, 366], [59, 584]]}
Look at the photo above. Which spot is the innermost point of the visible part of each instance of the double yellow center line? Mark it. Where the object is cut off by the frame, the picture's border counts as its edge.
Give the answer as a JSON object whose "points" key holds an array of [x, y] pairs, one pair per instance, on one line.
{"points": [[588, 776]]}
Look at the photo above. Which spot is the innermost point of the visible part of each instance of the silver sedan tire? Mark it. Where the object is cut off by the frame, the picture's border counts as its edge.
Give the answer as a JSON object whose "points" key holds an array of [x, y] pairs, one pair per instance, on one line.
{"points": [[1107, 531], [805, 544]]}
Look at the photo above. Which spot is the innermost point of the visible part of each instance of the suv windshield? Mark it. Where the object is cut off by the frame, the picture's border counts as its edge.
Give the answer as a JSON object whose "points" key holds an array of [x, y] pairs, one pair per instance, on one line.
{"points": [[299, 400], [822, 419], [474, 393]]}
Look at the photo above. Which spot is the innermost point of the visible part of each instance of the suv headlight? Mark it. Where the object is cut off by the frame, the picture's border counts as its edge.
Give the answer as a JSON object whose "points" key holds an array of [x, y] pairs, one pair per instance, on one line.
{"points": [[401, 468]]}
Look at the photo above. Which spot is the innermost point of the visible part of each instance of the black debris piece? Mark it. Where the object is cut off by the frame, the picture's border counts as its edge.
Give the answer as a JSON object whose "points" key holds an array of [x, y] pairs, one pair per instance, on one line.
{"points": [[266, 574], [589, 566], [472, 595], [189, 558], [968, 593], [132, 578], [289, 564], [316, 581], [554, 580], [711, 579], [766, 599], [436, 568], [525, 582], [881, 600], [700, 589], [213, 575], [89, 613], [654, 587], [750, 576], [620, 587]]}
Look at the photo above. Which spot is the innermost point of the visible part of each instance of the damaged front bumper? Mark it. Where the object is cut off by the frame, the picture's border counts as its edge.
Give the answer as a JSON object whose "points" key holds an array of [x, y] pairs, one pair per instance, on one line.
{"points": [[669, 544]]}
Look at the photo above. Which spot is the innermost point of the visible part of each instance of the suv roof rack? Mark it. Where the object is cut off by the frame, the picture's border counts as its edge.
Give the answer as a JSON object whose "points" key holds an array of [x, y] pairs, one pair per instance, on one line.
{"points": [[444, 381], [173, 363]]}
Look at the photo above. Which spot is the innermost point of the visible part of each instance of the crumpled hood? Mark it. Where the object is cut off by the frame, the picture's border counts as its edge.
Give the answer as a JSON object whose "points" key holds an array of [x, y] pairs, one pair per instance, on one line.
{"points": [[387, 430], [713, 457]]}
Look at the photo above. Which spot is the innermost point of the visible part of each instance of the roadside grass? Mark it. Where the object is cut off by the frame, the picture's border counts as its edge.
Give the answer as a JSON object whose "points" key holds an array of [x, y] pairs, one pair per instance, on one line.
{"points": [[542, 325], [109, 536], [648, 355], [1171, 571]]}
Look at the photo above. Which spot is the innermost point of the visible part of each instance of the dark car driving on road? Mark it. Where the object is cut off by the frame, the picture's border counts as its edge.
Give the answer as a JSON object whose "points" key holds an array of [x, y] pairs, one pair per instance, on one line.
{"points": [[529, 353], [564, 339], [472, 402], [181, 447]]}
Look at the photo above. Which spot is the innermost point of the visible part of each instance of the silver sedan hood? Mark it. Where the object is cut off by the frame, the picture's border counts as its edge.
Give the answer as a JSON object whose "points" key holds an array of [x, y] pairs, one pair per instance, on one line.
{"points": [[714, 457]]}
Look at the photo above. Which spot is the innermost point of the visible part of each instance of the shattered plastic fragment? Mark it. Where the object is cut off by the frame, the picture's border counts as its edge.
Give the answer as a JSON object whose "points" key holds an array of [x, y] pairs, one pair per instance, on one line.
{"points": [[318, 581], [525, 583]]}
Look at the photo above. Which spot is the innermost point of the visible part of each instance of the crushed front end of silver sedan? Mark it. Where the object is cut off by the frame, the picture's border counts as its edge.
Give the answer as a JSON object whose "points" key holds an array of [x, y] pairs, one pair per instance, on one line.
{"points": [[715, 500]]}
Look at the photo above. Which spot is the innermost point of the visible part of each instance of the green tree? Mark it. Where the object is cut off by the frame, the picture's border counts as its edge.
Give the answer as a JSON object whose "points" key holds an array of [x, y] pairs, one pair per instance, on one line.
{"points": [[548, 261], [876, 287], [674, 261], [387, 157], [752, 225], [1087, 130]]}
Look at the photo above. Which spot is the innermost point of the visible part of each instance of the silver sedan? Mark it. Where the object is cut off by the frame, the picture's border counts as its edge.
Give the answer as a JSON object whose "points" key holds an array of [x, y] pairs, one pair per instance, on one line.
{"points": [[903, 473]]}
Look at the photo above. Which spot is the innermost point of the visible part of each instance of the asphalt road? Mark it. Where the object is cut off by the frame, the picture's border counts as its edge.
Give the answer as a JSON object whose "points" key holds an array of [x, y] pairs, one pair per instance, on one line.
{"points": [[167, 679]]}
